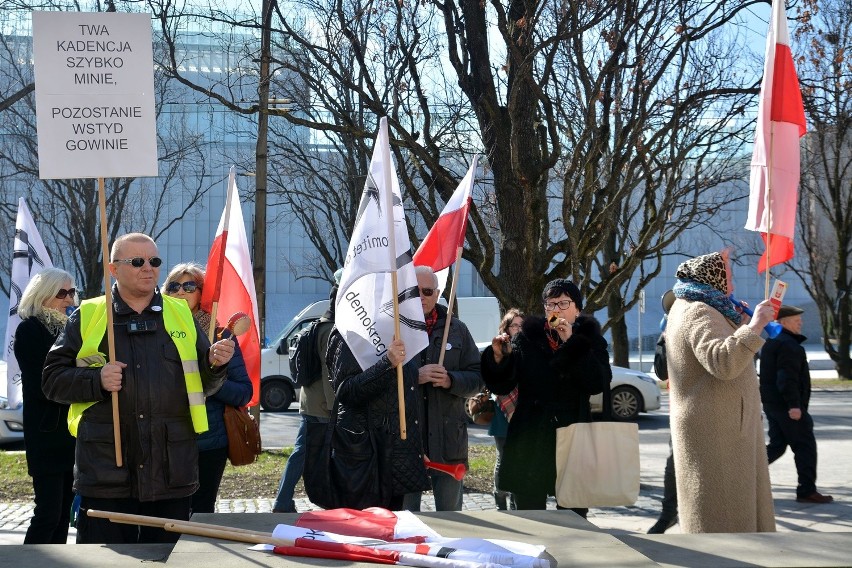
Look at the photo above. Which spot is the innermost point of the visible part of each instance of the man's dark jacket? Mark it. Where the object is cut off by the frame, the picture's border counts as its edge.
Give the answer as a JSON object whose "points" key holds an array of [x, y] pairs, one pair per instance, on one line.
{"points": [[785, 379], [444, 418], [157, 437]]}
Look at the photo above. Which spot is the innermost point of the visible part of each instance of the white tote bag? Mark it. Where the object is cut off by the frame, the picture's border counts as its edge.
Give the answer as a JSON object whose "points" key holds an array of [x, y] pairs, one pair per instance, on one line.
{"points": [[597, 464]]}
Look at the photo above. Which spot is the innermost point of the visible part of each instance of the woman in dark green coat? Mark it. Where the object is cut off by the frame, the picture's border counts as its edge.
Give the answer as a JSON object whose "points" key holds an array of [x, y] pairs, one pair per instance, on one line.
{"points": [[557, 363]]}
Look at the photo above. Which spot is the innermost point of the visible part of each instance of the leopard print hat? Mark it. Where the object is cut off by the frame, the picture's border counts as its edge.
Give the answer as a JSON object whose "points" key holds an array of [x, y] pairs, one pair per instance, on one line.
{"points": [[708, 269]]}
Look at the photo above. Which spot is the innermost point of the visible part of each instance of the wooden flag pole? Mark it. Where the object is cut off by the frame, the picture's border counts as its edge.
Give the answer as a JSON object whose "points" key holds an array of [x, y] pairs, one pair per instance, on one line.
{"points": [[389, 207], [768, 206], [450, 306], [192, 527], [400, 385], [217, 290], [116, 426]]}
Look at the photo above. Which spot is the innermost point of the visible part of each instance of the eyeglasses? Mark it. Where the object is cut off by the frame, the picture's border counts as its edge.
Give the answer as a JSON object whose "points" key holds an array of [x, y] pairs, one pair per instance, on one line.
{"points": [[560, 305], [427, 291], [63, 293], [139, 262], [188, 287]]}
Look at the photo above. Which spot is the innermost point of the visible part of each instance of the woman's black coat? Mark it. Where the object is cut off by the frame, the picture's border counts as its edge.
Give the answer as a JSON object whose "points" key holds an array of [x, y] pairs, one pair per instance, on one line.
{"points": [[49, 444], [553, 391], [367, 400]]}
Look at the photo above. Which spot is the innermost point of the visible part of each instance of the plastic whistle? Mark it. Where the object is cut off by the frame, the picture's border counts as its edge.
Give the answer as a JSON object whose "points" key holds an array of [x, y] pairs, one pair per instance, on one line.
{"points": [[772, 329]]}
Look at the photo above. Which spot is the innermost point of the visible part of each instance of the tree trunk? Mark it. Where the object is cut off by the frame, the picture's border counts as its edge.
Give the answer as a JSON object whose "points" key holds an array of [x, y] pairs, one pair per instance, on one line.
{"points": [[618, 331]]}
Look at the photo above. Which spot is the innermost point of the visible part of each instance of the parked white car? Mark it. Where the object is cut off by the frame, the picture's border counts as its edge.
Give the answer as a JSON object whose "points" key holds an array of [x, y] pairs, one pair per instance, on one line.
{"points": [[11, 419], [632, 392]]}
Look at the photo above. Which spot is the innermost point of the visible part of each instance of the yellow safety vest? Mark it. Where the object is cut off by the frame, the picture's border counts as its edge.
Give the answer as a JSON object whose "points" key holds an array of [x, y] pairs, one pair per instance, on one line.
{"points": [[176, 317]]}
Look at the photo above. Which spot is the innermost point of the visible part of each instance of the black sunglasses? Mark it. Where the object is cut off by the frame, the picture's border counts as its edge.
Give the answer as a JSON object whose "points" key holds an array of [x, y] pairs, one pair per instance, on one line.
{"points": [[139, 262], [427, 291], [63, 293], [188, 287]]}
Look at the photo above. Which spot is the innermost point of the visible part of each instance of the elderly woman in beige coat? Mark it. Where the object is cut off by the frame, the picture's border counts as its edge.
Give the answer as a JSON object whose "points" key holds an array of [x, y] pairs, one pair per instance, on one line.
{"points": [[719, 449]]}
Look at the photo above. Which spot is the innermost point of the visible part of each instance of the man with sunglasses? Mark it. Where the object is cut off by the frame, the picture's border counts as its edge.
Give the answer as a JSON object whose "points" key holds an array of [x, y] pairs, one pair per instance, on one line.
{"points": [[164, 366], [444, 390]]}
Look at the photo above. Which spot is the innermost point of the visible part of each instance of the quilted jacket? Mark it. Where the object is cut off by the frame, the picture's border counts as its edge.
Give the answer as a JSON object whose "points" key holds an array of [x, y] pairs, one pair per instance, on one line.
{"points": [[368, 400]]}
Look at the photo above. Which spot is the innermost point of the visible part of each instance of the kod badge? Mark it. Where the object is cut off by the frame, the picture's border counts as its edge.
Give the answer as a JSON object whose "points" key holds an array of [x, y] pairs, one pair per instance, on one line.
{"points": [[449, 346]]}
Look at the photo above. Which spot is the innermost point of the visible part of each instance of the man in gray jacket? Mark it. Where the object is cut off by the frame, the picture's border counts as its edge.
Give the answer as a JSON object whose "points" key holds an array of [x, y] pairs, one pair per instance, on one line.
{"points": [[444, 390]]}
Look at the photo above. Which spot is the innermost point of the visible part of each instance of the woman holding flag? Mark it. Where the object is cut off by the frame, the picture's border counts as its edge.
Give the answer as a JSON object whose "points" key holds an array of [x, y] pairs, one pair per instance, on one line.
{"points": [[367, 403], [717, 433], [185, 281]]}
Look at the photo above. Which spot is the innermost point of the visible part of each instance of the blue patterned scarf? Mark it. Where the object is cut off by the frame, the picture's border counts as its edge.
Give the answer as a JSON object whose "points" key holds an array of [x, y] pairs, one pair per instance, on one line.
{"points": [[699, 292]]}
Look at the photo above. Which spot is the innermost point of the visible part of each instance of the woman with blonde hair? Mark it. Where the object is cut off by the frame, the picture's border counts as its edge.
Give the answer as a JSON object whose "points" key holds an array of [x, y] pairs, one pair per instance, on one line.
{"points": [[185, 281], [49, 445]]}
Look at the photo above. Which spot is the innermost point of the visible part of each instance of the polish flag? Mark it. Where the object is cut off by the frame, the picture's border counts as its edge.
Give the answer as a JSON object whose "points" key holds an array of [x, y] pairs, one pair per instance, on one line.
{"points": [[441, 244], [232, 269], [373, 522], [775, 159], [357, 539]]}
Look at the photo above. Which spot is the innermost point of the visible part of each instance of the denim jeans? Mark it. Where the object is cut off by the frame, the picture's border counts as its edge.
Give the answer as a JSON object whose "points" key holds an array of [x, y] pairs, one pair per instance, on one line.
{"points": [[293, 470], [448, 493]]}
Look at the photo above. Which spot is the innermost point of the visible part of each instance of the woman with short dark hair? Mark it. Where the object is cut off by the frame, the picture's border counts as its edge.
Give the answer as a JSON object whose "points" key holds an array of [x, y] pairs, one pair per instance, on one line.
{"points": [[556, 363]]}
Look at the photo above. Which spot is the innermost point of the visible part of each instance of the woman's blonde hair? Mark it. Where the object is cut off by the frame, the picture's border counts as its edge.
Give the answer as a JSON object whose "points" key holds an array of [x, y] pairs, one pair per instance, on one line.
{"points": [[42, 288], [193, 269]]}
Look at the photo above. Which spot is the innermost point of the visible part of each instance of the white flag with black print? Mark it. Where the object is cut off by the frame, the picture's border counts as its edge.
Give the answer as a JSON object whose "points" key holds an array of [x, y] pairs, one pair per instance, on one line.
{"points": [[379, 245], [29, 257]]}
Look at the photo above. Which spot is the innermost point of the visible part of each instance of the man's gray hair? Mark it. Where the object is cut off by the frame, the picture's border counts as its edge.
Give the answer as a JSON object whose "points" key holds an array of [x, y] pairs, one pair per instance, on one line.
{"points": [[427, 270]]}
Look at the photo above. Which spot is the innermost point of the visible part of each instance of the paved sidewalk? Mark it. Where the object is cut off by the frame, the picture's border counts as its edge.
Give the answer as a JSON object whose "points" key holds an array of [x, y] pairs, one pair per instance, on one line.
{"points": [[790, 515]]}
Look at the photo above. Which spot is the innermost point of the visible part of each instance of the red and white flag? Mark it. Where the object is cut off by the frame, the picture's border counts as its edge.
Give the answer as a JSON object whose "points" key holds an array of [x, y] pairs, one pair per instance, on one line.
{"points": [[775, 159], [236, 293], [438, 249], [357, 540]]}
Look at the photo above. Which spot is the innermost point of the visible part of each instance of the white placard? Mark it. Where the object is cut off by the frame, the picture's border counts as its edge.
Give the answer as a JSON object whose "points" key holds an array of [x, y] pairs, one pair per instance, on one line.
{"points": [[94, 86]]}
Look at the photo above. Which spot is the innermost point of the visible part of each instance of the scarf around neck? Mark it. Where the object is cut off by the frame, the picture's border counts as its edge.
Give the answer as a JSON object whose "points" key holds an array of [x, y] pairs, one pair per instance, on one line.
{"points": [[53, 320], [700, 292]]}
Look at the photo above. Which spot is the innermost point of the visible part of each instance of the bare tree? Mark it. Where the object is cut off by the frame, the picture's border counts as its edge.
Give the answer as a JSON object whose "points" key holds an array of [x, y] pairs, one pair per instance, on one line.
{"points": [[608, 127], [824, 35]]}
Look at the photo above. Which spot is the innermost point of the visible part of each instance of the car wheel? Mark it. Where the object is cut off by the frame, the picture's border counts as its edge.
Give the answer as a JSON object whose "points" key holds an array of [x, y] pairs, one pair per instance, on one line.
{"points": [[626, 403], [276, 395]]}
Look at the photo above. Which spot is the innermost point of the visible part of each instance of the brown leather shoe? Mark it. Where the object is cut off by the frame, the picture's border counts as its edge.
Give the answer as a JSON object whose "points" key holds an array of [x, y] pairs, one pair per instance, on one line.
{"points": [[815, 497]]}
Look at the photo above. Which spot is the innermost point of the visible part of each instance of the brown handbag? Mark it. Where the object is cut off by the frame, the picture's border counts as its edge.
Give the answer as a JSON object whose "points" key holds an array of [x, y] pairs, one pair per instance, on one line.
{"points": [[243, 436]]}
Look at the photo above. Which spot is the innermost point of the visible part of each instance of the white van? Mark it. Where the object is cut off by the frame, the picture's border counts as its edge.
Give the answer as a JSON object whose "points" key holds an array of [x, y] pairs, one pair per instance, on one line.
{"points": [[277, 390]]}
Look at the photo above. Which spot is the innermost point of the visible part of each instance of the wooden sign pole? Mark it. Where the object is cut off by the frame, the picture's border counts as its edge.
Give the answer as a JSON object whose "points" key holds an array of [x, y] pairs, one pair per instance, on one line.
{"points": [[116, 426]]}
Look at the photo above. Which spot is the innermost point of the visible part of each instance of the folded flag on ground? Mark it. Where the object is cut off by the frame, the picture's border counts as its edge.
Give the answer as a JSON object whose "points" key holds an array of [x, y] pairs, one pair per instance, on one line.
{"points": [[416, 543]]}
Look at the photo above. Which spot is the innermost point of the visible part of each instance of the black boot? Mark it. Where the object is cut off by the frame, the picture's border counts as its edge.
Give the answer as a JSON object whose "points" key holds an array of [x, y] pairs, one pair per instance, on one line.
{"points": [[500, 500], [662, 525]]}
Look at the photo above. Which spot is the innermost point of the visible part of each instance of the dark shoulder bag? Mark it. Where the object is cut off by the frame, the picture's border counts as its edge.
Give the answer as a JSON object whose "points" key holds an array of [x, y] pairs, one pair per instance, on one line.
{"points": [[342, 466]]}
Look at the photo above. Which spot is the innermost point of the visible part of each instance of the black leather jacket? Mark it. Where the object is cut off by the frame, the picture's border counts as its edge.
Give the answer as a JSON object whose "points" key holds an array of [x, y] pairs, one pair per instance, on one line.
{"points": [[157, 437], [368, 400]]}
